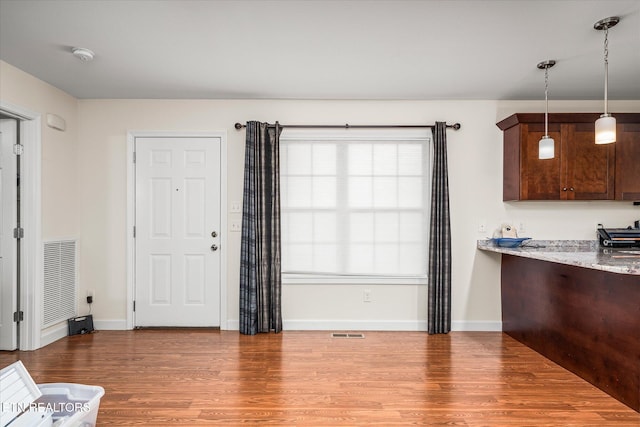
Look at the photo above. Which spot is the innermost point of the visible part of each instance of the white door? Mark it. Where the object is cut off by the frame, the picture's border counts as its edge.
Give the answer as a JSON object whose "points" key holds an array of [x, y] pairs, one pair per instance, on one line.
{"points": [[8, 245], [177, 279]]}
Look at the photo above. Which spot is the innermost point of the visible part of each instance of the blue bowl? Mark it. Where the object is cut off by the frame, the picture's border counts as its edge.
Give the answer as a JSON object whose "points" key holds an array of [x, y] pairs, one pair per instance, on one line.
{"points": [[510, 242]]}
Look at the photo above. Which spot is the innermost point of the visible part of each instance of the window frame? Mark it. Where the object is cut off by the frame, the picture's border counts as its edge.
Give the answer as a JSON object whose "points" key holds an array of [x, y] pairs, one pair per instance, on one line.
{"points": [[423, 135]]}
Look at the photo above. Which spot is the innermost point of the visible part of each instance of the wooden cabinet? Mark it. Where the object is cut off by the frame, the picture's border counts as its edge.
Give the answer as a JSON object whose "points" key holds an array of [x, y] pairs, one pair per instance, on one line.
{"points": [[584, 320], [580, 170], [628, 161]]}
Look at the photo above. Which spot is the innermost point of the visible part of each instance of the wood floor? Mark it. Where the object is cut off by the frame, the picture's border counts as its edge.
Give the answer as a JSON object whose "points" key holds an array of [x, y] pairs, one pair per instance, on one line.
{"points": [[204, 377]]}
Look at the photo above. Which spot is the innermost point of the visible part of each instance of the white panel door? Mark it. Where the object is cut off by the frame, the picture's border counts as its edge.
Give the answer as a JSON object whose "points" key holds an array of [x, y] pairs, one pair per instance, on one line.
{"points": [[177, 231], [8, 245]]}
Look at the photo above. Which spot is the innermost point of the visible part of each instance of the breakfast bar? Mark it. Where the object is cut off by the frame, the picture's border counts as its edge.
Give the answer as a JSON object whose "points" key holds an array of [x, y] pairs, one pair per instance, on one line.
{"points": [[578, 304]]}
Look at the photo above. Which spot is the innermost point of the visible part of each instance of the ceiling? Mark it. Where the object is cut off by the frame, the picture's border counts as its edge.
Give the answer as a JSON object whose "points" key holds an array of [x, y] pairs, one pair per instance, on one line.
{"points": [[313, 49]]}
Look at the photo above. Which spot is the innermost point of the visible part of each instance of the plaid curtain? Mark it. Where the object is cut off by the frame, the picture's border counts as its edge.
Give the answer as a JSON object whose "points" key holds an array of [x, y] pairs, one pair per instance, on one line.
{"points": [[439, 309], [260, 280]]}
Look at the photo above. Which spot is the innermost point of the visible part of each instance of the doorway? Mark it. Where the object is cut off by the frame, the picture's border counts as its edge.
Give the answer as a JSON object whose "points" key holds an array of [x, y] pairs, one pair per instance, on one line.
{"points": [[28, 261], [178, 241], [9, 182]]}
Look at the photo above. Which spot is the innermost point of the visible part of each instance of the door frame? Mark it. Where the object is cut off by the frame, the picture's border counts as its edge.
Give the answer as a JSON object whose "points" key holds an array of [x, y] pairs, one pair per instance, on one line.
{"points": [[131, 203], [31, 256]]}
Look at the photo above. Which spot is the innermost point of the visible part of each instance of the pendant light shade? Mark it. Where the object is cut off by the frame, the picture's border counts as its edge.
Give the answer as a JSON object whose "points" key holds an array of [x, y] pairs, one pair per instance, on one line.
{"points": [[546, 145], [606, 129], [546, 148], [606, 124]]}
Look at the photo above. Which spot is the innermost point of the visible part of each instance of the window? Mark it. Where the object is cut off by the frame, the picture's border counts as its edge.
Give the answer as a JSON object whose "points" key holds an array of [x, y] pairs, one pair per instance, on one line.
{"points": [[354, 205]]}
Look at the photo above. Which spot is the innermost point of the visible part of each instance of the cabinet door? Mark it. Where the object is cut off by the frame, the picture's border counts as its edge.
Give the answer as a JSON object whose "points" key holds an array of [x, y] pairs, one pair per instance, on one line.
{"points": [[589, 167], [628, 161], [540, 179]]}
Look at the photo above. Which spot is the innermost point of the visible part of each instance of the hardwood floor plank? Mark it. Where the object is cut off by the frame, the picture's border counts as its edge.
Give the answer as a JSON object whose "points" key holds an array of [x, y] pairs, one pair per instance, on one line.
{"points": [[196, 377]]}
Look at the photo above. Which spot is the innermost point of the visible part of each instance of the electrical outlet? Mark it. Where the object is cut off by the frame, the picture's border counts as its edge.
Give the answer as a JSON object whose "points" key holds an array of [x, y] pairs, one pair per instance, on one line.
{"points": [[521, 228], [366, 297], [235, 225], [482, 227]]}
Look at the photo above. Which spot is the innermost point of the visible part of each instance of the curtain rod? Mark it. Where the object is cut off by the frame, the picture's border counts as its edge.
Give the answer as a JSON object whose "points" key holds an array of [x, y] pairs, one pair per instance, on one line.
{"points": [[455, 126]]}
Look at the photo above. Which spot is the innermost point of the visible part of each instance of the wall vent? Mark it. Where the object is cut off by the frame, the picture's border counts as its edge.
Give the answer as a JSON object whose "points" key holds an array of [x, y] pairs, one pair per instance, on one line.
{"points": [[60, 282]]}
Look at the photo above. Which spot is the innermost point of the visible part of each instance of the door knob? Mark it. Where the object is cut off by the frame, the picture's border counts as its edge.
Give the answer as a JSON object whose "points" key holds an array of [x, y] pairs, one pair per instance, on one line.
{"points": [[214, 248], [214, 234]]}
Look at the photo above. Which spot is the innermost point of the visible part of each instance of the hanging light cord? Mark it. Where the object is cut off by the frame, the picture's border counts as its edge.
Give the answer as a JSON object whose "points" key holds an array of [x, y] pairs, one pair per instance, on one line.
{"points": [[606, 66], [546, 101]]}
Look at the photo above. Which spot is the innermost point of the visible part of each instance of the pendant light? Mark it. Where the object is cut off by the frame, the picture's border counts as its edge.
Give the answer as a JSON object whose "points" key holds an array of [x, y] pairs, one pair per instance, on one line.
{"points": [[546, 145], [606, 124]]}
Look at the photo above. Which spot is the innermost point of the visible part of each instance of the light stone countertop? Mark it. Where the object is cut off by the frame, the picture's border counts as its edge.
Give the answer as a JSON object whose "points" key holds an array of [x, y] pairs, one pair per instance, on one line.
{"points": [[581, 253]]}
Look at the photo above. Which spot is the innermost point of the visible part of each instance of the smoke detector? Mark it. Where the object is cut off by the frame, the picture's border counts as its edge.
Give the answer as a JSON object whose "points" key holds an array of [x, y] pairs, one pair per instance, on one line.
{"points": [[84, 55]]}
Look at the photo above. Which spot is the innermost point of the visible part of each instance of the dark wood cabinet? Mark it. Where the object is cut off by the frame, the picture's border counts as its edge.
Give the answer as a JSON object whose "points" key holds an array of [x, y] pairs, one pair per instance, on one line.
{"points": [[580, 170], [585, 320], [628, 161]]}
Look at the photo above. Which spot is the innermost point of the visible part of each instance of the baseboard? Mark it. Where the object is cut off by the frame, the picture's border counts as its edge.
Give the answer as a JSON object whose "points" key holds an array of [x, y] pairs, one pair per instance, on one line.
{"points": [[377, 325], [353, 325], [110, 325], [54, 333], [476, 326]]}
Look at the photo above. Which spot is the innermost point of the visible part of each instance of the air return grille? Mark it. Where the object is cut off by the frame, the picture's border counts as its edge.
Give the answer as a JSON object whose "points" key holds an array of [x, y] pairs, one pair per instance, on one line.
{"points": [[60, 282]]}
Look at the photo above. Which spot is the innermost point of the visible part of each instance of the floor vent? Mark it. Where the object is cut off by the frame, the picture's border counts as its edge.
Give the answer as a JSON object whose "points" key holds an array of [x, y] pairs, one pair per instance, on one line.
{"points": [[345, 335]]}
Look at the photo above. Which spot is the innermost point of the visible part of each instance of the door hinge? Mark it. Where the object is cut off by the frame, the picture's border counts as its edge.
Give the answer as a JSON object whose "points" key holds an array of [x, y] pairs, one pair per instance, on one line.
{"points": [[18, 316], [18, 149], [134, 231], [134, 305], [18, 233], [134, 157]]}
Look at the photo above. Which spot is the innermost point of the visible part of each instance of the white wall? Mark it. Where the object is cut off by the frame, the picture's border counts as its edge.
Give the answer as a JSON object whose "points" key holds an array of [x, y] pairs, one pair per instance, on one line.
{"points": [[475, 170], [59, 172], [84, 194]]}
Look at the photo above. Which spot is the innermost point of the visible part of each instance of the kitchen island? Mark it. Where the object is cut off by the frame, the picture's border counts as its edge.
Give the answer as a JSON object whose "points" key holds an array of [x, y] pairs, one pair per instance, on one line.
{"points": [[579, 305]]}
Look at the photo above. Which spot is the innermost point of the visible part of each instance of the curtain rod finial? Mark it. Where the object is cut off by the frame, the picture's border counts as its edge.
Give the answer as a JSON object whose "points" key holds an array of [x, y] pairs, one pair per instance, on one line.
{"points": [[456, 126], [239, 126]]}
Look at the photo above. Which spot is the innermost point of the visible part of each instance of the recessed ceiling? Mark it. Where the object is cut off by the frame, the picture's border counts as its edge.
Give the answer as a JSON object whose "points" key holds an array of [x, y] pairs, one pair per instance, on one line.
{"points": [[307, 49]]}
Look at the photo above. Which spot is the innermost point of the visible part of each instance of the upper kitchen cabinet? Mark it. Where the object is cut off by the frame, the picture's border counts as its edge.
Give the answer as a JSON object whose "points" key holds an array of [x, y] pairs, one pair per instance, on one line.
{"points": [[628, 160], [580, 170]]}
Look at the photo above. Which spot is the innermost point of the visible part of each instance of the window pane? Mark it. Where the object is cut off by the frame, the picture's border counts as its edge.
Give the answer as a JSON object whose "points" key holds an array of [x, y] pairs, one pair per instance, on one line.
{"points": [[325, 227], [387, 227], [360, 159], [410, 159], [300, 257], [385, 192], [324, 159], [361, 227], [411, 227], [410, 192], [299, 192], [324, 192], [298, 159], [360, 258], [385, 159], [360, 192], [325, 258], [386, 256], [300, 227], [412, 259]]}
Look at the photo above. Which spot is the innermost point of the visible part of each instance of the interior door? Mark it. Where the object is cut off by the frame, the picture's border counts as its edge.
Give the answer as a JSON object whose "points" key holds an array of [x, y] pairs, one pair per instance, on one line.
{"points": [[177, 231], [8, 246]]}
